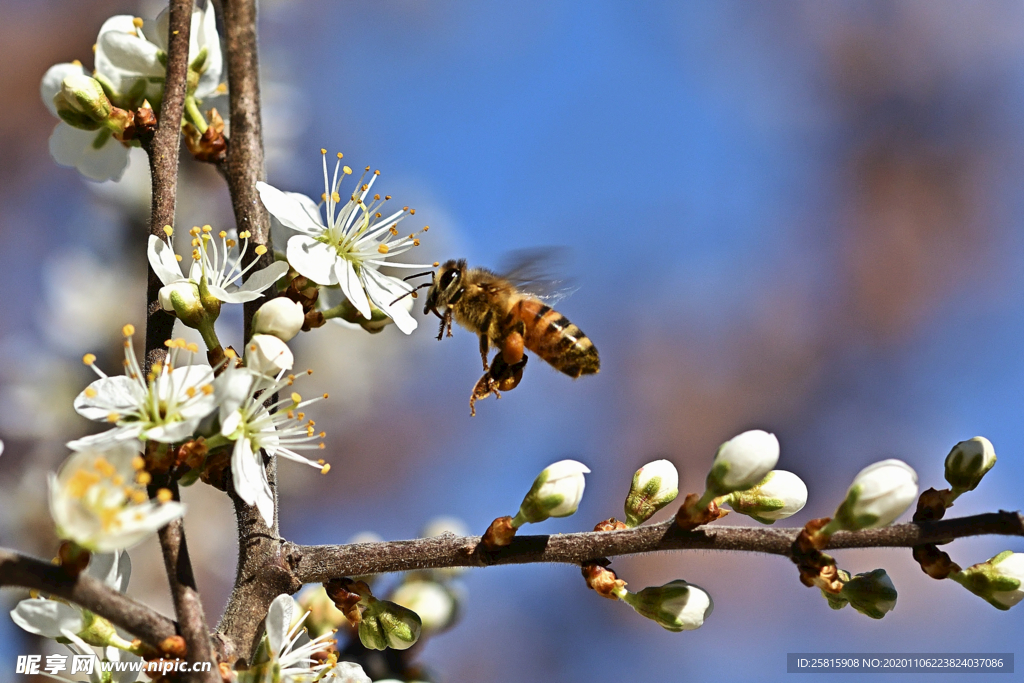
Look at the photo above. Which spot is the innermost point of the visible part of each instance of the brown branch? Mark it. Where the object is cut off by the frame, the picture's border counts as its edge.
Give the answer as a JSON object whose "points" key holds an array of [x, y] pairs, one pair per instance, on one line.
{"points": [[262, 573], [163, 160], [315, 564], [92, 594]]}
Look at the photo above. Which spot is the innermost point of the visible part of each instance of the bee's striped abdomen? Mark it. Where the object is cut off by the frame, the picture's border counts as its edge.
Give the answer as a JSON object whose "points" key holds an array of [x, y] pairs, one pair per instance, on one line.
{"points": [[551, 336]]}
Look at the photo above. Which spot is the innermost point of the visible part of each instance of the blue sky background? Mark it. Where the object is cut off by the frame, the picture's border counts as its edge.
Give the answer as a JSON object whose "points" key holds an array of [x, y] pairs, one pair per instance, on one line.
{"points": [[802, 217]]}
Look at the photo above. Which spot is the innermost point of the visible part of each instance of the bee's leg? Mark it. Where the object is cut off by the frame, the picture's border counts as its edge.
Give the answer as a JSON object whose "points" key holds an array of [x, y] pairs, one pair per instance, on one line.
{"points": [[440, 332], [446, 322], [513, 344], [485, 386], [485, 346]]}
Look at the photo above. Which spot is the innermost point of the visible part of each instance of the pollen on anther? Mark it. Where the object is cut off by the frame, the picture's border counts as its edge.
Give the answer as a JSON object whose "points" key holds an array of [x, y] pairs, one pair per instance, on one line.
{"points": [[137, 22], [168, 230], [365, 187], [437, 263], [335, 197], [323, 151], [89, 358], [260, 250], [387, 197], [376, 197], [346, 170], [177, 257], [76, 62], [139, 497], [426, 228], [222, 234], [327, 396], [207, 228], [383, 249], [207, 388], [164, 495], [192, 347], [190, 392], [393, 229], [340, 155], [143, 477], [321, 446], [296, 398], [138, 462], [91, 392], [128, 330], [326, 468], [415, 243], [412, 212]]}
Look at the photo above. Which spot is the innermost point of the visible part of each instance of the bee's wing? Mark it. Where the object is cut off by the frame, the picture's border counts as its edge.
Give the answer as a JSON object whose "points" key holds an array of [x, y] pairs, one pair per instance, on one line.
{"points": [[532, 271]]}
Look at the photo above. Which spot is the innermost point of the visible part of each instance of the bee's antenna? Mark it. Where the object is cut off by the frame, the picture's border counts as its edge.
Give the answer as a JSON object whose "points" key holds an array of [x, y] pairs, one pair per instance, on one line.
{"points": [[426, 272], [411, 292]]}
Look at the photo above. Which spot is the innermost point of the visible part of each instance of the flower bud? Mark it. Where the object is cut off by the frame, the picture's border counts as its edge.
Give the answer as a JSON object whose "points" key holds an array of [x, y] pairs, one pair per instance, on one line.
{"points": [[182, 299], [435, 604], [655, 485], [556, 492], [280, 317], [779, 495], [742, 462], [1000, 581], [97, 630], [878, 495], [268, 355], [676, 606], [968, 462], [871, 593], [80, 96], [385, 624]]}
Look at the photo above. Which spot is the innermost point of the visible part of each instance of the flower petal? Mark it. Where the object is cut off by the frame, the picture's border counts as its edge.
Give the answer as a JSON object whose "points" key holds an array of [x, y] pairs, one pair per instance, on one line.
{"points": [[47, 618], [75, 148], [352, 286], [383, 291], [250, 479], [52, 80], [163, 261], [312, 259], [291, 211], [261, 279], [279, 621], [205, 32], [117, 394]]}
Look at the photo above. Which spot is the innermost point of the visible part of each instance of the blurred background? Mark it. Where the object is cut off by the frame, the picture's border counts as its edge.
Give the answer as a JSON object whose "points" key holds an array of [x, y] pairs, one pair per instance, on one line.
{"points": [[797, 216]]}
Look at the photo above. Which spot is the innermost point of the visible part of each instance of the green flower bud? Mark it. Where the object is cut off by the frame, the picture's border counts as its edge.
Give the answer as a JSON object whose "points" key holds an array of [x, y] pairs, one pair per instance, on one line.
{"points": [[676, 606], [1000, 581], [878, 495], [968, 462], [182, 299], [83, 96], [97, 631], [779, 495], [387, 625], [556, 492], [871, 593], [655, 485]]}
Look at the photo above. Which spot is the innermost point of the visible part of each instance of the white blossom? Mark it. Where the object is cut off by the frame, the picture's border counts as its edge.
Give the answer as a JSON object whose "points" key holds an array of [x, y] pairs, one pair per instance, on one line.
{"points": [[280, 317], [166, 406], [216, 265], [99, 500], [95, 153], [556, 492], [268, 355], [280, 429], [878, 495], [968, 462], [743, 461], [130, 51], [999, 581], [349, 247]]}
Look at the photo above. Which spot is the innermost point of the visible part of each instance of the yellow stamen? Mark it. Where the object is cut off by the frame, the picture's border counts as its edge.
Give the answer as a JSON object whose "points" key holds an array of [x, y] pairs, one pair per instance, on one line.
{"points": [[296, 398], [164, 495], [139, 497], [340, 155], [335, 197], [113, 417], [260, 250], [323, 151], [137, 22], [138, 462], [81, 482], [325, 469], [168, 230], [90, 392], [143, 477], [346, 170], [128, 330], [383, 249]]}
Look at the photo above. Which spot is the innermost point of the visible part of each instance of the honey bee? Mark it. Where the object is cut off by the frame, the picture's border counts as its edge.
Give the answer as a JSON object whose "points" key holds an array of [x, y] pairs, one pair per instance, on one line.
{"points": [[505, 314]]}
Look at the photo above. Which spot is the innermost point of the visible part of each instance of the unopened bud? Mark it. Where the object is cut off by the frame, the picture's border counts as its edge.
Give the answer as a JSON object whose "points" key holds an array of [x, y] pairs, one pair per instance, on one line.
{"points": [[968, 462], [871, 593], [1000, 581], [82, 96], [280, 317], [435, 604], [556, 492], [676, 606], [878, 495], [183, 300], [97, 630], [655, 485], [742, 462], [387, 625], [268, 355], [779, 495]]}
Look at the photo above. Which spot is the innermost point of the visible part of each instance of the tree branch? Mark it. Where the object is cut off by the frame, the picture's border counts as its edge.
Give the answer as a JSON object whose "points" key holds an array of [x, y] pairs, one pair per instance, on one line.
{"points": [[316, 564], [262, 573], [163, 160], [92, 594]]}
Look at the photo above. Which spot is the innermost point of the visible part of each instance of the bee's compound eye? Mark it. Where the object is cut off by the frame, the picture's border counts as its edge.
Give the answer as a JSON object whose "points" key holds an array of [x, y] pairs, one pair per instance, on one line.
{"points": [[448, 278]]}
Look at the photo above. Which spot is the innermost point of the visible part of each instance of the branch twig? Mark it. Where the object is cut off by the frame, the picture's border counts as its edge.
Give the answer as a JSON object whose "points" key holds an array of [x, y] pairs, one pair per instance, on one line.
{"points": [[163, 160], [92, 594], [262, 572], [315, 564]]}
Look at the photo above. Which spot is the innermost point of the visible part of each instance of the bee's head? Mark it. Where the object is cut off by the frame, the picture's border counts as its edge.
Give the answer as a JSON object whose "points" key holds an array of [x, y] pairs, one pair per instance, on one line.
{"points": [[447, 286]]}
